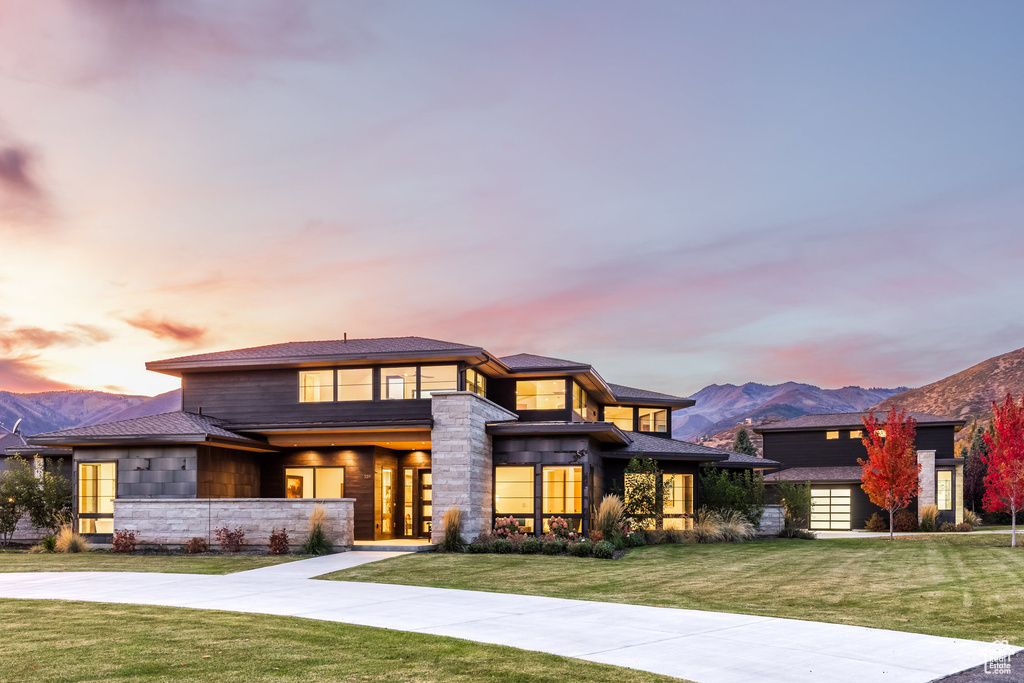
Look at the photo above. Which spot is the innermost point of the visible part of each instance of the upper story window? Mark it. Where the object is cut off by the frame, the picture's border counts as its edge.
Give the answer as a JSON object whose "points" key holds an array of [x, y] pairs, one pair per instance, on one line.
{"points": [[653, 419], [541, 394], [398, 383], [355, 384], [476, 383], [832, 435], [579, 400], [316, 386], [438, 378], [620, 416], [856, 433]]}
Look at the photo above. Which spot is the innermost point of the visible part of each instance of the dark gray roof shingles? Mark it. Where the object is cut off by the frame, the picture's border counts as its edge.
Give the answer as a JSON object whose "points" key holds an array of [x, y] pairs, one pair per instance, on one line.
{"points": [[624, 393], [842, 420], [841, 473], [530, 361], [178, 423], [647, 443], [744, 460]]}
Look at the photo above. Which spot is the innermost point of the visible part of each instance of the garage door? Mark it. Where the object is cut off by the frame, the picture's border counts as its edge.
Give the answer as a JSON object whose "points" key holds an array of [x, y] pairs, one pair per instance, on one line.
{"points": [[830, 508]]}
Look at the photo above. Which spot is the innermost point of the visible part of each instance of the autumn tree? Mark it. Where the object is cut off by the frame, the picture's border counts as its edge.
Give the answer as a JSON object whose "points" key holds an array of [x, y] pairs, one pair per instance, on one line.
{"points": [[743, 444], [1004, 481], [891, 474]]}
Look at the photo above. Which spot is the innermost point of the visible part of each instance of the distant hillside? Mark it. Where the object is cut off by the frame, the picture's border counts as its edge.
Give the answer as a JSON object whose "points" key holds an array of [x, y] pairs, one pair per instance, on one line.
{"points": [[720, 407], [52, 410], [968, 394]]}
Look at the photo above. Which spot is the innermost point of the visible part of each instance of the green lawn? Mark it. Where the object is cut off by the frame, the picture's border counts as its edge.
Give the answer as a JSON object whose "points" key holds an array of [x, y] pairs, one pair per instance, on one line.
{"points": [[101, 561], [47, 640], [962, 586]]}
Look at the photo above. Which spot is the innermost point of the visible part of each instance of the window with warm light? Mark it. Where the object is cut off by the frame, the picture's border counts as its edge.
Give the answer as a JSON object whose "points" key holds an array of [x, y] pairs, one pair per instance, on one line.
{"points": [[97, 488], [314, 482], [944, 489], [579, 400], [831, 435], [398, 383], [438, 378], [653, 420], [476, 383], [856, 434], [513, 494], [355, 384], [677, 501], [541, 394], [620, 416], [316, 386], [563, 490]]}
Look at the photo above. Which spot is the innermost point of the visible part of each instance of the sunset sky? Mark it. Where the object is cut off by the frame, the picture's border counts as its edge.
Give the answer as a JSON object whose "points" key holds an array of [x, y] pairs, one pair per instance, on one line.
{"points": [[677, 192]]}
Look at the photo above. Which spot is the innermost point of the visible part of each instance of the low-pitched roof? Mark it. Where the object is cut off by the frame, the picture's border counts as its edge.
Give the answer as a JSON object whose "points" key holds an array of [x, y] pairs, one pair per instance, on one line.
{"points": [[843, 473], [10, 440], [530, 361], [633, 395], [843, 420], [647, 444], [744, 461], [173, 427]]}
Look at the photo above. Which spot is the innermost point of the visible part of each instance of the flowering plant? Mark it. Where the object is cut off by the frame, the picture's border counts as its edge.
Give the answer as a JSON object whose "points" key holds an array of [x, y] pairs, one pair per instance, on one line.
{"points": [[506, 527], [560, 528]]}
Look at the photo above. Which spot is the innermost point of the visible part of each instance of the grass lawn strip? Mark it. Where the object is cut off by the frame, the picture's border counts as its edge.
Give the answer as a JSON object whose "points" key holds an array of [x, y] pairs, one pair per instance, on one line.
{"points": [[47, 640], [20, 561], [954, 586]]}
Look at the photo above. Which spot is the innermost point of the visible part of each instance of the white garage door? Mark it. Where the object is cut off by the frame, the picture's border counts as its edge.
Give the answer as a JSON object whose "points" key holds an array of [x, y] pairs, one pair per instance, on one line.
{"points": [[830, 508]]}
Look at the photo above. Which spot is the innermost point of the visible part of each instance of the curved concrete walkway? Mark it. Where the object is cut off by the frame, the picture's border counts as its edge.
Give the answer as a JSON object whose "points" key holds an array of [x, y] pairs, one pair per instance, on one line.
{"points": [[710, 647]]}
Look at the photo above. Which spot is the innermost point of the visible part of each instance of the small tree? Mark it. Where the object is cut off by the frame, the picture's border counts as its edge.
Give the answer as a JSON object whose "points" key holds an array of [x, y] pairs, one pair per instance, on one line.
{"points": [[1004, 481], [743, 444], [891, 474], [645, 492], [796, 498], [19, 496], [723, 491], [51, 505]]}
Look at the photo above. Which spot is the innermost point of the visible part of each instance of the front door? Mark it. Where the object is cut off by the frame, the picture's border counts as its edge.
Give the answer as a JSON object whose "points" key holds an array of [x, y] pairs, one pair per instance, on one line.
{"points": [[387, 502], [945, 496]]}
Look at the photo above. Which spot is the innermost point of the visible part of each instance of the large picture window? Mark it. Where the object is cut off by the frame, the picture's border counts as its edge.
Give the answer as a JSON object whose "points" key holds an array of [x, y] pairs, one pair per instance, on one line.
{"points": [[314, 482], [316, 386], [97, 488], [620, 416], [653, 420], [438, 378], [355, 384], [563, 490], [678, 501], [541, 394], [398, 383], [513, 494]]}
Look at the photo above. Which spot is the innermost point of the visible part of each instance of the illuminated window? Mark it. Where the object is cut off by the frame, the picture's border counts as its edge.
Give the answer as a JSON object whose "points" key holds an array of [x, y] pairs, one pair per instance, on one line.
{"points": [[542, 394], [620, 416], [97, 488], [653, 420], [579, 400], [407, 507], [316, 386], [398, 383], [355, 384], [314, 482], [476, 383], [563, 491], [438, 378], [831, 435], [944, 490], [513, 494], [830, 508], [677, 501], [856, 434]]}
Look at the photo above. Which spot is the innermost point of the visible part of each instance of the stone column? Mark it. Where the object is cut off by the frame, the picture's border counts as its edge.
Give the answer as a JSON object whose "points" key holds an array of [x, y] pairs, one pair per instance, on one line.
{"points": [[927, 479], [460, 460]]}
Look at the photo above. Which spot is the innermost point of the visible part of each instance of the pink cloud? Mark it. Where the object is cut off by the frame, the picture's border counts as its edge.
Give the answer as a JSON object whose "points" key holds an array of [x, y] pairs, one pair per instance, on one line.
{"points": [[26, 375], [164, 328]]}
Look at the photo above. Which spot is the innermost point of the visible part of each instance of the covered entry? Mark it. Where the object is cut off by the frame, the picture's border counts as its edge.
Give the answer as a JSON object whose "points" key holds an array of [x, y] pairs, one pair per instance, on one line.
{"points": [[830, 508]]}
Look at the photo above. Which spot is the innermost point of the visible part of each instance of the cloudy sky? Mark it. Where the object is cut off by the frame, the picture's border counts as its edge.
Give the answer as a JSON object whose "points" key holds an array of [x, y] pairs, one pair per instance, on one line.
{"points": [[677, 192]]}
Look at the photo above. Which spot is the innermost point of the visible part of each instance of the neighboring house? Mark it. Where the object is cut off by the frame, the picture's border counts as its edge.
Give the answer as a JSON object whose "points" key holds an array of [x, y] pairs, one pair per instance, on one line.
{"points": [[823, 450], [389, 433]]}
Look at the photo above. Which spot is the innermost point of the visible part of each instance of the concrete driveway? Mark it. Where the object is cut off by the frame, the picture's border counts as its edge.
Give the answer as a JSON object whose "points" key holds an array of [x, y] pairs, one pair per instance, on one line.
{"points": [[710, 647]]}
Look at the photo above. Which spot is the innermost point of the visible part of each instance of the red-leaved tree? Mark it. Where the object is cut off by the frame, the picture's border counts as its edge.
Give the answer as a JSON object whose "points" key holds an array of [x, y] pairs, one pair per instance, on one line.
{"points": [[1004, 482], [891, 474]]}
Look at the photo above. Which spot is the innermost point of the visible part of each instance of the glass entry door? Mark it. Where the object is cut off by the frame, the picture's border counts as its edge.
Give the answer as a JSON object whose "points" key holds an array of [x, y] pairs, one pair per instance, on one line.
{"points": [[387, 502], [945, 496], [426, 503]]}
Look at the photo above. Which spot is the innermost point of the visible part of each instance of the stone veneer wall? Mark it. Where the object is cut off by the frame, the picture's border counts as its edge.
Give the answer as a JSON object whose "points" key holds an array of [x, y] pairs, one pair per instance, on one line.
{"points": [[927, 479], [772, 520], [958, 493], [174, 521], [461, 465]]}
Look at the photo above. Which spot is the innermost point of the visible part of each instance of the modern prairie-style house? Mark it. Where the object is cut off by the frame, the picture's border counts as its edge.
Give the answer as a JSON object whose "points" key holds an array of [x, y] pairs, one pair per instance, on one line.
{"points": [[823, 450], [387, 433]]}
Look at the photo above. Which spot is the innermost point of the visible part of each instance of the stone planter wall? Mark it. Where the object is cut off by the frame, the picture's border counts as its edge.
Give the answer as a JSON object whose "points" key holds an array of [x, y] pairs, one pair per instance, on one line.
{"points": [[772, 521]]}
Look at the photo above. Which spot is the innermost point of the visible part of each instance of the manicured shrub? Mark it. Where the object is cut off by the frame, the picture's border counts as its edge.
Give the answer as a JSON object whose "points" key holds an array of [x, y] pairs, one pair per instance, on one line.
{"points": [[124, 541], [637, 539], [278, 544], [604, 550], [560, 528], [678, 536], [877, 523], [795, 532], [506, 527], [555, 546], [48, 543], [928, 516], [478, 547], [656, 536], [581, 548], [452, 541], [964, 527], [502, 546], [904, 520], [595, 535], [707, 528], [230, 541], [517, 541], [197, 545], [68, 541], [947, 527], [531, 546]]}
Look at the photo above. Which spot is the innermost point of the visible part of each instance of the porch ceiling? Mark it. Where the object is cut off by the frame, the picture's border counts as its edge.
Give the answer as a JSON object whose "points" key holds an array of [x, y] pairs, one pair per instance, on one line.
{"points": [[402, 439]]}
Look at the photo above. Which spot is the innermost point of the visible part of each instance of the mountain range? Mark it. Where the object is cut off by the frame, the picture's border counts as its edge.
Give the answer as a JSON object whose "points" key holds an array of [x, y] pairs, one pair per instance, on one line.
{"points": [[52, 410]]}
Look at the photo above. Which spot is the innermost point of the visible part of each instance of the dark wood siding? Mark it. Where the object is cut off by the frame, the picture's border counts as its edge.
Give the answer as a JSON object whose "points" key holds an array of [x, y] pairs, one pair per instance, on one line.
{"points": [[272, 397], [812, 449], [226, 473]]}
